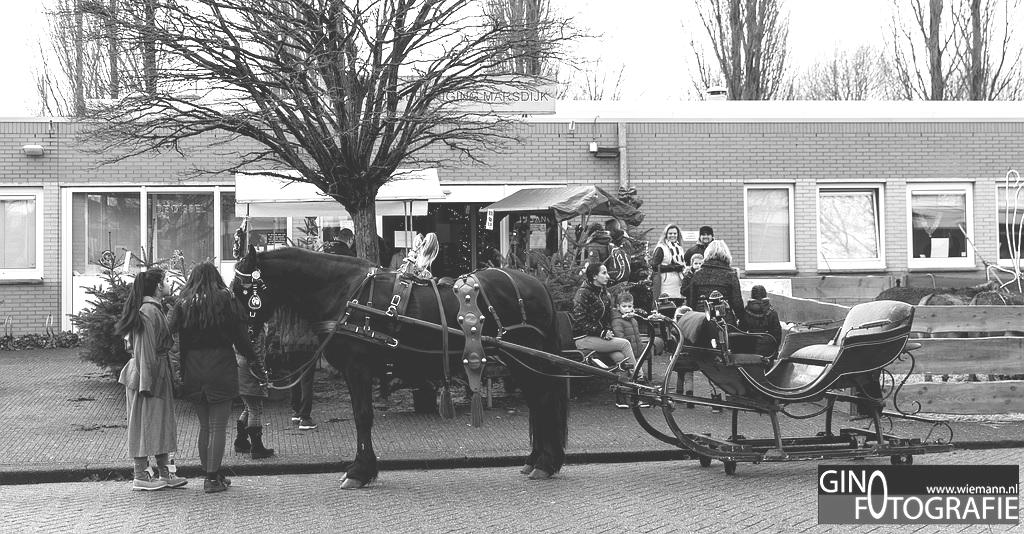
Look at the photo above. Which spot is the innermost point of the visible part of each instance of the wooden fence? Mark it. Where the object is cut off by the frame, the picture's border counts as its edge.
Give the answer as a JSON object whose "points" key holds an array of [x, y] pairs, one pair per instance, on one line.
{"points": [[982, 340]]}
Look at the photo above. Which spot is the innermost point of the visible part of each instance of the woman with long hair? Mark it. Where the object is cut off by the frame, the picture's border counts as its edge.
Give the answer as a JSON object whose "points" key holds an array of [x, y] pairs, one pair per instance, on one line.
{"points": [[147, 381], [667, 263], [717, 274], [210, 327], [591, 319]]}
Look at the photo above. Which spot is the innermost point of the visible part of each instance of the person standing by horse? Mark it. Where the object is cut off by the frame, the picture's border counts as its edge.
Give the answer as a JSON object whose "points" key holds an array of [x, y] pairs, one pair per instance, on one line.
{"points": [[667, 264], [252, 391], [147, 382], [210, 326], [591, 315]]}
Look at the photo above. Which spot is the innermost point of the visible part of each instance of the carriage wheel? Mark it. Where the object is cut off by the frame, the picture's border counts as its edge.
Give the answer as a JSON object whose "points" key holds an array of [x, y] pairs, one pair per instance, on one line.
{"points": [[705, 461], [902, 459], [730, 467]]}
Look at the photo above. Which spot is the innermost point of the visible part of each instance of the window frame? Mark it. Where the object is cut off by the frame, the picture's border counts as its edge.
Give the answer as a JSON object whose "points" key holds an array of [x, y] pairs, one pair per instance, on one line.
{"points": [[838, 265], [1000, 187], [938, 188], [769, 266], [32, 274]]}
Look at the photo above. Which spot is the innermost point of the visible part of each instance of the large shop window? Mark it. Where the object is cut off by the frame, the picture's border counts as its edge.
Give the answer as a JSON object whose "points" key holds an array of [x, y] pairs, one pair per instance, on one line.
{"points": [[769, 227], [1010, 201], [940, 226], [850, 228], [21, 232], [264, 232], [100, 222], [180, 223]]}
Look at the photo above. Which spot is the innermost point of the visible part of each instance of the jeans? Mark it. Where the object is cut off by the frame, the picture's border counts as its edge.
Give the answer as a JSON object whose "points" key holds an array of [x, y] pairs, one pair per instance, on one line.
{"points": [[302, 393], [618, 348]]}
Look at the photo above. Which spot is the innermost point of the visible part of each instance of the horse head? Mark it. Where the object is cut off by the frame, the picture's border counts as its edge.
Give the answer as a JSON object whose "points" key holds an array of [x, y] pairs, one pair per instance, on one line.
{"points": [[251, 289]]}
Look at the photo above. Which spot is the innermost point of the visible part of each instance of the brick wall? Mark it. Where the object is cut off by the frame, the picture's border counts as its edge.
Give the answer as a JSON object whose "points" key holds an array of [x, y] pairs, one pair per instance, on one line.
{"points": [[687, 173]]}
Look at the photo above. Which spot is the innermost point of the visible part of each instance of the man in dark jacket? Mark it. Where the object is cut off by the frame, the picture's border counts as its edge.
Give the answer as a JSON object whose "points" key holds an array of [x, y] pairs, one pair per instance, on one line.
{"points": [[344, 245], [707, 235]]}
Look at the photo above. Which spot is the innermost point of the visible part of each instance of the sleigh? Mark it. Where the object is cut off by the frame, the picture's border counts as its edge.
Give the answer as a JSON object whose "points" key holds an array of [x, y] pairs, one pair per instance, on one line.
{"points": [[800, 377]]}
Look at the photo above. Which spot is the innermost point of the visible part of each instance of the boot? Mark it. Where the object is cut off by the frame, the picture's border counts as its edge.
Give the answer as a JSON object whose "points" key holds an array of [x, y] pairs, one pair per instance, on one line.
{"points": [[242, 440], [258, 450]]}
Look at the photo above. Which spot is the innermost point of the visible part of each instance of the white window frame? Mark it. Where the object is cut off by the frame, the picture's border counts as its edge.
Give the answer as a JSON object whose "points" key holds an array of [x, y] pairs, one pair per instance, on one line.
{"points": [[35, 194], [769, 266], [873, 264], [941, 188], [1000, 195]]}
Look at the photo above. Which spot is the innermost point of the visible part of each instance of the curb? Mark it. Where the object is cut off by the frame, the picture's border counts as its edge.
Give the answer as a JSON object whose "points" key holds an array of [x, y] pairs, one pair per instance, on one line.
{"points": [[95, 474]]}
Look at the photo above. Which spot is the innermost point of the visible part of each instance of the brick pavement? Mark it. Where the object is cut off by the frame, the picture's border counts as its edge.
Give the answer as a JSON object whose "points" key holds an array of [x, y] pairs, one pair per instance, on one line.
{"points": [[63, 420], [676, 496]]}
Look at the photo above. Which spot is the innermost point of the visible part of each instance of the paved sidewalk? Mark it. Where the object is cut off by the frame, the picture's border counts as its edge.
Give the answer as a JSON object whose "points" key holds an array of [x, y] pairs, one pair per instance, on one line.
{"points": [[63, 420]]}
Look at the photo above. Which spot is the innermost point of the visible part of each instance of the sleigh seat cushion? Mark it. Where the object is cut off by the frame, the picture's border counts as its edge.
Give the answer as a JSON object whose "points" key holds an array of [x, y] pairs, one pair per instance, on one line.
{"points": [[815, 354]]}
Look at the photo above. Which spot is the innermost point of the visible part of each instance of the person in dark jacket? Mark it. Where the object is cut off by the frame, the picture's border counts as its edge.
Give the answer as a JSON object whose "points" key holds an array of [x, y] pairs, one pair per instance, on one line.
{"points": [[209, 325], [716, 273], [706, 235], [591, 314], [760, 317]]}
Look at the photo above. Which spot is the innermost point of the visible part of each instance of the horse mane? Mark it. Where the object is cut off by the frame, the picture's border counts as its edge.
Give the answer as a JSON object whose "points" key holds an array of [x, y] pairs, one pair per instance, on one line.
{"points": [[306, 274]]}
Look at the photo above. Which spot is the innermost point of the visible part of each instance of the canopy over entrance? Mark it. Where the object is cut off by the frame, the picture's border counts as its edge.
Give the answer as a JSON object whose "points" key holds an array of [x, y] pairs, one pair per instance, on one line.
{"points": [[261, 195], [568, 202]]}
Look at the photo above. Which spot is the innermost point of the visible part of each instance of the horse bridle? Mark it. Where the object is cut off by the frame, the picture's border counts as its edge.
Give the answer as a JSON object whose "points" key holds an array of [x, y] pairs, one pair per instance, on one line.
{"points": [[253, 288]]}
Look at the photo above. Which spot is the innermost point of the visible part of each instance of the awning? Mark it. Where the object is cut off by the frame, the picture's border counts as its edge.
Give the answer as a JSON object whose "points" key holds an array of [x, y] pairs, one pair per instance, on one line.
{"points": [[261, 195], [568, 202]]}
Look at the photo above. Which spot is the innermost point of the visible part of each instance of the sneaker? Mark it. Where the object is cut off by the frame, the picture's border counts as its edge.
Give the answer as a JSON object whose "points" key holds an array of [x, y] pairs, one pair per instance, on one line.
{"points": [[214, 486], [148, 481], [296, 418], [168, 473], [621, 405], [306, 424]]}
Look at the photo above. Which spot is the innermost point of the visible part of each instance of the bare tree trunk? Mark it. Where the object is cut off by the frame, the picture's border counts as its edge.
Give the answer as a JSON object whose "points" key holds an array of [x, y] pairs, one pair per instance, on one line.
{"points": [[112, 49], [149, 48], [976, 69], [734, 81], [934, 46], [79, 45], [364, 223]]}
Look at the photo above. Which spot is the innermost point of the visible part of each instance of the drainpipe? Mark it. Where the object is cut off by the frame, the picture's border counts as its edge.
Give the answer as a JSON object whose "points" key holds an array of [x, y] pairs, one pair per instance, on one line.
{"points": [[622, 131]]}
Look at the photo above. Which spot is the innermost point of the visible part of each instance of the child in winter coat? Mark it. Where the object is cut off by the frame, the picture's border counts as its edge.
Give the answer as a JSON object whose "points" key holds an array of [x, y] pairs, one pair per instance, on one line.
{"points": [[760, 316]]}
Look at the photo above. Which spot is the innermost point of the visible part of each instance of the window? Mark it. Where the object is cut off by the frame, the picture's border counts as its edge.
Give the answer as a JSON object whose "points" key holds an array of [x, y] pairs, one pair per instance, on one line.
{"points": [[769, 227], [180, 223], [101, 222], [940, 226], [850, 228], [1010, 202], [263, 231], [21, 233]]}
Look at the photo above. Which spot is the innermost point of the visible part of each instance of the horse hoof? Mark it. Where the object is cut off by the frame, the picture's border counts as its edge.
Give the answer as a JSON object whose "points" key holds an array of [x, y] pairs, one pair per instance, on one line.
{"points": [[352, 483], [539, 474], [526, 470]]}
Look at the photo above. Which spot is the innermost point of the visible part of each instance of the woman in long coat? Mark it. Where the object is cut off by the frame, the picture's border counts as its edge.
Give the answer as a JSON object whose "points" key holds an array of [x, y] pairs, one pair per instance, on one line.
{"points": [[667, 264], [717, 274], [210, 326], [147, 382]]}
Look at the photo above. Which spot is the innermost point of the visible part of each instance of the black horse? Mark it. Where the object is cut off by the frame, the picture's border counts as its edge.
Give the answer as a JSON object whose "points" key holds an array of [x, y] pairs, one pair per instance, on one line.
{"points": [[317, 286]]}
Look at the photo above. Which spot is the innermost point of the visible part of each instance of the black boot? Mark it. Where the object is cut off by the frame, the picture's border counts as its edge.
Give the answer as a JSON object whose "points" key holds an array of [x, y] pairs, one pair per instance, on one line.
{"points": [[258, 450], [242, 440]]}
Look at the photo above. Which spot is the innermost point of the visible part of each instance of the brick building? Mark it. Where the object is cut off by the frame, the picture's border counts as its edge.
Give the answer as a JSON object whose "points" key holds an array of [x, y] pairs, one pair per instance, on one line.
{"points": [[825, 200]]}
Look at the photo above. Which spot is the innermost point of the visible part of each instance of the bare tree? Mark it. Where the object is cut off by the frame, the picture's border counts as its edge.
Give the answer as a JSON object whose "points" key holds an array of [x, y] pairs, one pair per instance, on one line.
{"points": [[345, 93], [748, 48], [960, 49], [990, 56], [861, 74], [533, 19], [83, 57], [593, 81]]}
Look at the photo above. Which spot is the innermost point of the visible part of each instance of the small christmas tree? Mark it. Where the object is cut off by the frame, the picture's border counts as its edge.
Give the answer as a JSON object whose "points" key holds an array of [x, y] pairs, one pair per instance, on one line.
{"points": [[96, 325]]}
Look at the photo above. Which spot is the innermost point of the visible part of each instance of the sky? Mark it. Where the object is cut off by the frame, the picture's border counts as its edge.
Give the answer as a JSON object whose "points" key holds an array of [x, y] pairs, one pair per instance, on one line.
{"points": [[646, 37]]}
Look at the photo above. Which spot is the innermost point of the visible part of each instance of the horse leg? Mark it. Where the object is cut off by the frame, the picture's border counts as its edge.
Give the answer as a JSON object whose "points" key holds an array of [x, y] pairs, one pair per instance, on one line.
{"points": [[548, 403], [358, 376]]}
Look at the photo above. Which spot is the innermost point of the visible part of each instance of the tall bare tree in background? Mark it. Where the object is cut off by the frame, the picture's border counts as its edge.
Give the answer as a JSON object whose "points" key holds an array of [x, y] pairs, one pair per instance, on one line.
{"points": [[860, 74], [748, 48], [343, 93], [958, 49], [591, 80], [84, 58]]}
